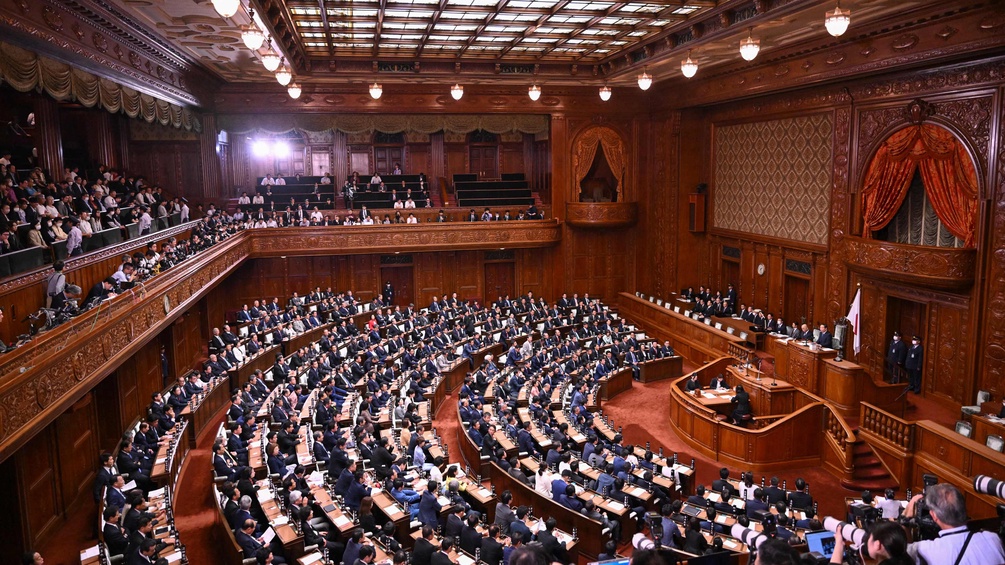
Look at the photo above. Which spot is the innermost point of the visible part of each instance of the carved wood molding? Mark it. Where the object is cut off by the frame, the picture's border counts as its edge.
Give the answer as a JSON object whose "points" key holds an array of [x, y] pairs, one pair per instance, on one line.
{"points": [[944, 36], [42, 378], [46, 376], [359, 240], [65, 31], [931, 267], [601, 214]]}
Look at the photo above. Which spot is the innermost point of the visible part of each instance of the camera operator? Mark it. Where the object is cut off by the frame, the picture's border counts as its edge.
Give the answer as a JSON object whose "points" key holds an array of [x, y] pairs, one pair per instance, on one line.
{"points": [[955, 544], [886, 543]]}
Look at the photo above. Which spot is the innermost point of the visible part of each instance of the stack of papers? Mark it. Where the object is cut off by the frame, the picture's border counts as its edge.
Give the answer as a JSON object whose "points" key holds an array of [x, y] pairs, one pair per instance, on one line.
{"points": [[616, 506], [341, 521], [311, 558], [280, 521]]}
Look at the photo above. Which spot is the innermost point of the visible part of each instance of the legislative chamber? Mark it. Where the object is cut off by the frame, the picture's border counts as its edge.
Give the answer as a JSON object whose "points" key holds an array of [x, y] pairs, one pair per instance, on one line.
{"points": [[542, 281]]}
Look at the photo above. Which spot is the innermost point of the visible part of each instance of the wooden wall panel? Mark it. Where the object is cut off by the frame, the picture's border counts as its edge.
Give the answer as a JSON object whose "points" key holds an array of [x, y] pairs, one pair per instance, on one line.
{"points": [[77, 448], [365, 276], [512, 158], [38, 477], [456, 159], [418, 156], [175, 166]]}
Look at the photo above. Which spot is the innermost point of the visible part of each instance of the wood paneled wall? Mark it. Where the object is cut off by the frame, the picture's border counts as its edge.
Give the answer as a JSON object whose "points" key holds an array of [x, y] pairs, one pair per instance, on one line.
{"points": [[434, 274], [174, 165], [864, 113]]}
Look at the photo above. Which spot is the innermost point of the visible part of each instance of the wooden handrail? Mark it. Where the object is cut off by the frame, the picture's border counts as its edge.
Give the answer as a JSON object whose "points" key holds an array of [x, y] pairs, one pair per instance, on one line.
{"points": [[886, 426]]}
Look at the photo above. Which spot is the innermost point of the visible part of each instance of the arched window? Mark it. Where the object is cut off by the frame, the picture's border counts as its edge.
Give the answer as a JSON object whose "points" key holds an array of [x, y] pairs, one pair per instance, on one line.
{"points": [[943, 166]]}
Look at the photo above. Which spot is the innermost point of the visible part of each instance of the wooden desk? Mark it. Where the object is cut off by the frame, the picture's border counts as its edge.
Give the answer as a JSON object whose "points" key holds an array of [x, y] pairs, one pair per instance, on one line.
{"points": [[985, 426], [437, 395], [454, 375], [171, 456], [659, 369], [262, 362], [696, 341], [615, 383], [202, 410], [844, 384]]}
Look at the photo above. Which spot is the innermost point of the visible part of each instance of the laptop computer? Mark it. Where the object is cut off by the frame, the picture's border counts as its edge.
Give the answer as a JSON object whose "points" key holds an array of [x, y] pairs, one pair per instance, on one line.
{"points": [[821, 542]]}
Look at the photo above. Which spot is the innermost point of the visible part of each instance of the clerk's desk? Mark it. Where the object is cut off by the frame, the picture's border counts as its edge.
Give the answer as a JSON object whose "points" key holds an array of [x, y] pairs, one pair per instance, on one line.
{"points": [[844, 384]]}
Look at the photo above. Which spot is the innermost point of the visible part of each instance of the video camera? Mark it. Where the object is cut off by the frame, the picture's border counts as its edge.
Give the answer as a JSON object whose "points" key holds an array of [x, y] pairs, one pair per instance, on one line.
{"points": [[986, 485], [927, 529]]}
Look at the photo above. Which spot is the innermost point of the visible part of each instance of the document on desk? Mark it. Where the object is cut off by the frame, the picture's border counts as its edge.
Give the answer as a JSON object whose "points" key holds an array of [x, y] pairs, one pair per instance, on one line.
{"points": [[159, 493], [708, 395], [310, 559], [90, 553], [174, 557], [268, 535], [616, 506], [280, 521], [342, 521]]}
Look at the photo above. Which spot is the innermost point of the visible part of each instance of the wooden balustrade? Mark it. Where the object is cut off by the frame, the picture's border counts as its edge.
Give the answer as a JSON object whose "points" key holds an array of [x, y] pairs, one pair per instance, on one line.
{"points": [[895, 430], [911, 449], [39, 380]]}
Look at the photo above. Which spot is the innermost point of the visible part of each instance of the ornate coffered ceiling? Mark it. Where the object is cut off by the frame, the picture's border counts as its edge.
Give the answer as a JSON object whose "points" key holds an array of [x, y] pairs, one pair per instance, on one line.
{"points": [[494, 41]]}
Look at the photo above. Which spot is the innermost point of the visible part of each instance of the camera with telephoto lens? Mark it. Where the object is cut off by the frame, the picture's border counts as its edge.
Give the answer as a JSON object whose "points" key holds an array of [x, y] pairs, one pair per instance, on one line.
{"points": [[986, 485], [856, 537]]}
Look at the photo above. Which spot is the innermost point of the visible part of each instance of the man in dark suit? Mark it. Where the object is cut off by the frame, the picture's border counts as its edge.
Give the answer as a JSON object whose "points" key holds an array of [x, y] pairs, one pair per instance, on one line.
{"points": [[825, 339], [723, 483], [552, 547], [442, 557], [914, 364], [429, 507], [422, 552], [800, 498], [114, 535], [492, 550], [896, 355], [471, 538], [773, 493], [246, 540]]}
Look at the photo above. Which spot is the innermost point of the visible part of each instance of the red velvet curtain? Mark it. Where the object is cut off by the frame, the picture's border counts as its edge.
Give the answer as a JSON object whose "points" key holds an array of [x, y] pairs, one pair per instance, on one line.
{"points": [[946, 169], [950, 182]]}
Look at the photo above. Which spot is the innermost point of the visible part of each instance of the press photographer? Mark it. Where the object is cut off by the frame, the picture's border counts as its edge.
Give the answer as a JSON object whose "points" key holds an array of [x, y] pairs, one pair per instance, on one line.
{"points": [[885, 543], [955, 544]]}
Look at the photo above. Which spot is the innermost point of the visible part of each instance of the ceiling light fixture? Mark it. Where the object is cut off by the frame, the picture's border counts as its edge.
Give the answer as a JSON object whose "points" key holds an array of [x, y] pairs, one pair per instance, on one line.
{"points": [[749, 47], [284, 75], [456, 91], [226, 8], [605, 93], [376, 90], [688, 67], [837, 22], [271, 59], [252, 36], [294, 90], [645, 80], [534, 92]]}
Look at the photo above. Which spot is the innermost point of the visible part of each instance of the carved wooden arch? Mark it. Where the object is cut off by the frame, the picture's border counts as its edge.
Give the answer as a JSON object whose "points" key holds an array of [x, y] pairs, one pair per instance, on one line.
{"points": [[584, 150], [919, 112]]}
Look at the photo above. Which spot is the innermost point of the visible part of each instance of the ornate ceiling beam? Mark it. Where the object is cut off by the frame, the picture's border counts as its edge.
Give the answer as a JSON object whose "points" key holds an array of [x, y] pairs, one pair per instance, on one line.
{"points": [[279, 24]]}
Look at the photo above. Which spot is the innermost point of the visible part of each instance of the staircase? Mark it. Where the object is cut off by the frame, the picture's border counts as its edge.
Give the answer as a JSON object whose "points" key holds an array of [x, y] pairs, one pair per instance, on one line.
{"points": [[869, 473]]}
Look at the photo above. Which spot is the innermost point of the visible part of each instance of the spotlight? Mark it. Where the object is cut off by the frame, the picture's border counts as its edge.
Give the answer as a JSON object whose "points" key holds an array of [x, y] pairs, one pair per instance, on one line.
{"points": [[534, 92], [260, 148], [281, 149], [376, 91], [605, 93], [456, 91], [294, 90]]}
